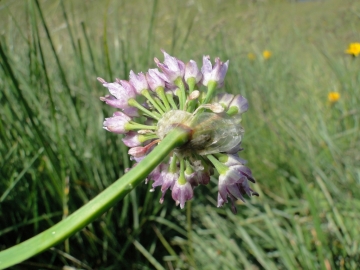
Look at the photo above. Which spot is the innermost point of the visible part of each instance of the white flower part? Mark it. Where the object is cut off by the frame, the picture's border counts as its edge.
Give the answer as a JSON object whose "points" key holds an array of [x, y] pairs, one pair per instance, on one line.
{"points": [[194, 95], [216, 108]]}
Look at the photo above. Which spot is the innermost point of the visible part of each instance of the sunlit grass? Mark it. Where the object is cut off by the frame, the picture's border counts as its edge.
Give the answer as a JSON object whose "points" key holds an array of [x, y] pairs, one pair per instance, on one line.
{"points": [[303, 149]]}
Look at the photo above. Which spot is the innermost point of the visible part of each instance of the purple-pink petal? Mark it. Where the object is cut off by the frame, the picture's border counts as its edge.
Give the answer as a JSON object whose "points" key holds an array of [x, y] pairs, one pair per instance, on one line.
{"points": [[138, 81], [116, 123], [234, 160], [113, 101], [240, 103], [155, 79], [122, 91], [172, 67], [169, 180], [224, 99], [244, 171], [131, 139], [192, 71], [216, 73], [182, 193]]}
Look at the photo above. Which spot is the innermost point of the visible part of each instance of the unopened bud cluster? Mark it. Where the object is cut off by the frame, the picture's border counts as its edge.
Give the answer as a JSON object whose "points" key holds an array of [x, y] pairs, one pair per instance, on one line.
{"points": [[174, 97]]}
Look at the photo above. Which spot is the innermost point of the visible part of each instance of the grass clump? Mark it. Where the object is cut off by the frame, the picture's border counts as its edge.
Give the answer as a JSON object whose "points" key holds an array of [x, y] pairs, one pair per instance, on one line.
{"points": [[54, 156]]}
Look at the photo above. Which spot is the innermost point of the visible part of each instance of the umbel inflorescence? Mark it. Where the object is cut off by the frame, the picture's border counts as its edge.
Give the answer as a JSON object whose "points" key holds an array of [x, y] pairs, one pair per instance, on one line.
{"points": [[172, 97]]}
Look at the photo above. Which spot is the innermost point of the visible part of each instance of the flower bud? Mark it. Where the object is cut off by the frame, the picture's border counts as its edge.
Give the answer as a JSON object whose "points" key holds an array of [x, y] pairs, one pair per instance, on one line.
{"points": [[121, 90], [182, 193], [192, 71], [116, 123], [172, 67], [131, 139], [216, 73], [238, 105], [224, 99], [139, 81], [155, 79]]}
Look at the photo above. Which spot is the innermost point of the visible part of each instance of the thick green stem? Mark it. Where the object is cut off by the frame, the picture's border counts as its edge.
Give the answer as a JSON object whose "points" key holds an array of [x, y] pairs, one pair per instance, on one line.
{"points": [[97, 206]]}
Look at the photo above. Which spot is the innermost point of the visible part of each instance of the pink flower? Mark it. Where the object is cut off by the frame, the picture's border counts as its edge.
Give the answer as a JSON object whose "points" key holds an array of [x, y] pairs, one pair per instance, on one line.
{"points": [[131, 139], [192, 71], [224, 99], [121, 92], [169, 180], [139, 82], [140, 151], [113, 101], [240, 104], [182, 193], [234, 184], [216, 73], [117, 123], [183, 96], [172, 67], [155, 79], [162, 177]]}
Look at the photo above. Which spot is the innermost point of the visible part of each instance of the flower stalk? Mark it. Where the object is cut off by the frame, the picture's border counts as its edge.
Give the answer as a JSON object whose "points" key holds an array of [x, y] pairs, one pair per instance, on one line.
{"points": [[97, 206], [177, 100]]}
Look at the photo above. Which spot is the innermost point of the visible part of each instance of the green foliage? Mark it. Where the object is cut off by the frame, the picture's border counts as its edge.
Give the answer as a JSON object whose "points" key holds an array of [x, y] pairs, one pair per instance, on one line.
{"points": [[303, 150]]}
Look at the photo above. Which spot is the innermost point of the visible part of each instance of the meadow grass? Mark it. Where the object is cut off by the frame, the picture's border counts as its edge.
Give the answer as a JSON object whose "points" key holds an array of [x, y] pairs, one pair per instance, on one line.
{"points": [[303, 150]]}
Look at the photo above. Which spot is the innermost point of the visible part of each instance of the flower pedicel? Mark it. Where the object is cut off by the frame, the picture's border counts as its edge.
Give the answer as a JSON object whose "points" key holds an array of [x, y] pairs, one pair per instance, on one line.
{"points": [[174, 99]]}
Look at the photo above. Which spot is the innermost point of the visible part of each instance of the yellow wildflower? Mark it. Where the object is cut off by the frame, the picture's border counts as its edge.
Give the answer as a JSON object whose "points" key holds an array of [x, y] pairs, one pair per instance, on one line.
{"points": [[251, 56], [266, 54], [353, 49], [333, 97]]}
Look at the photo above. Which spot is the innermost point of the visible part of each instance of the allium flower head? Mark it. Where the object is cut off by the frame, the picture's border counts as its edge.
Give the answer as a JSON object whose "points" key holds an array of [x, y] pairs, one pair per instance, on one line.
{"points": [[174, 97]]}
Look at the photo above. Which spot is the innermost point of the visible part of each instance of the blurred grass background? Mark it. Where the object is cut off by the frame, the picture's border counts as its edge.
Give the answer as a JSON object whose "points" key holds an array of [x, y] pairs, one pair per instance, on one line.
{"points": [[303, 150]]}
